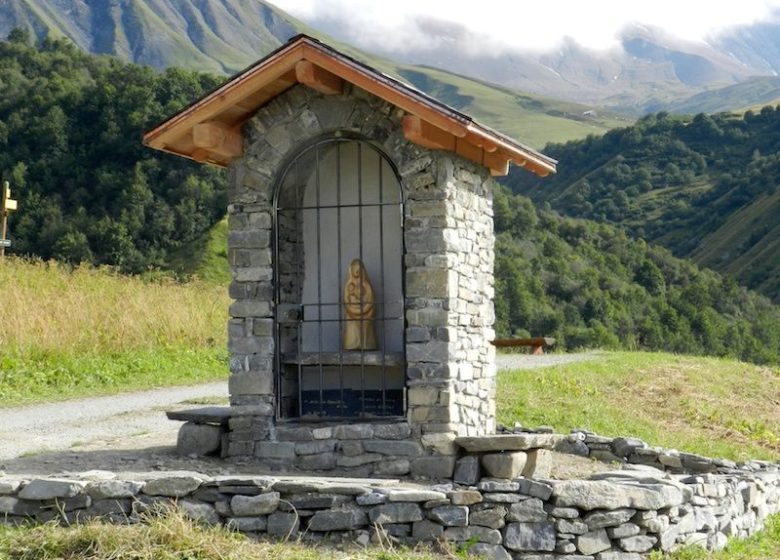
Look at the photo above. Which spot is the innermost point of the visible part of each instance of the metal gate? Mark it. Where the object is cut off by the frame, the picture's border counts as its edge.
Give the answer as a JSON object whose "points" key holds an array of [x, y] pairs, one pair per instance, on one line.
{"points": [[338, 282]]}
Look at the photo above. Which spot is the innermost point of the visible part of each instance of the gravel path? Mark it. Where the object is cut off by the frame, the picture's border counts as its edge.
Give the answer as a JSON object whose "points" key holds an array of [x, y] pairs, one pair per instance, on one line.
{"points": [[529, 361], [70, 424], [130, 431]]}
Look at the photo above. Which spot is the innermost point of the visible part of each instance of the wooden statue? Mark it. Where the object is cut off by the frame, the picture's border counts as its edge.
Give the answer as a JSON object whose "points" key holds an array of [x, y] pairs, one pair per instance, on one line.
{"points": [[359, 309]]}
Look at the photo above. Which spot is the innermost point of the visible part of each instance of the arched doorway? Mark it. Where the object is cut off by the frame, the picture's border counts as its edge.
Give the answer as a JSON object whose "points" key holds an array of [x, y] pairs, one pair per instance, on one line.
{"points": [[338, 201]]}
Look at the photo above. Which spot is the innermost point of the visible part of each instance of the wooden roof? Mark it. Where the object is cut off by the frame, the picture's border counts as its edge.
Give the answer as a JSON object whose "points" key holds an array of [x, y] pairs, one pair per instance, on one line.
{"points": [[209, 130]]}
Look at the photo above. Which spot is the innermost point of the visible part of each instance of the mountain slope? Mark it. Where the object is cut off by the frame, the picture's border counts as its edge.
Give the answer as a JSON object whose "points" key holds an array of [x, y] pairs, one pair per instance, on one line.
{"points": [[224, 36], [88, 189], [533, 119], [645, 70], [707, 188], [753, 92], [220, 36], [756, 45], [648, 70]]}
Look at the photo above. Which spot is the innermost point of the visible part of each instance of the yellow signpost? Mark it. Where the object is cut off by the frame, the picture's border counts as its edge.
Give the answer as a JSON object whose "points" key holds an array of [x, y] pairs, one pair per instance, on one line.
{"points": [[6, 205]]}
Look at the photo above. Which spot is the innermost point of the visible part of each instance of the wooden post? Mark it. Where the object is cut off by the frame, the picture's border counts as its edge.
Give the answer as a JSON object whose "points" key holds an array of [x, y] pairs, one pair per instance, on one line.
{"points": [[6, 205]]}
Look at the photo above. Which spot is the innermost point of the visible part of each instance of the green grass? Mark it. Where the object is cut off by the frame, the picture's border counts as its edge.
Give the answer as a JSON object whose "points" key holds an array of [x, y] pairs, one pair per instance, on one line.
{"points": [[168, 535], [49, 377], [530, 118], [764, 545], [205, 258], [714, 407]]}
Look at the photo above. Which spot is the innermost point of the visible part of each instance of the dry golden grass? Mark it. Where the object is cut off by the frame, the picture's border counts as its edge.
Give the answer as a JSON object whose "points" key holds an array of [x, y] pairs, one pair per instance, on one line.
{"points": [[48, 307], [75, 332], [168, 534]]}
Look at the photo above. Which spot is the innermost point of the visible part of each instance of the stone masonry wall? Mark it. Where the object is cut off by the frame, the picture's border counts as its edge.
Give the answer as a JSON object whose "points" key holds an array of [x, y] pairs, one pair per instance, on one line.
{"points": [[448, 236], [634, 451], [621, 516]]}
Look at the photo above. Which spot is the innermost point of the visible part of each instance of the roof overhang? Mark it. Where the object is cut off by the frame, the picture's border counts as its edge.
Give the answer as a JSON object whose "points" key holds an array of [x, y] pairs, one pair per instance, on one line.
{"points": [[209, 130]]}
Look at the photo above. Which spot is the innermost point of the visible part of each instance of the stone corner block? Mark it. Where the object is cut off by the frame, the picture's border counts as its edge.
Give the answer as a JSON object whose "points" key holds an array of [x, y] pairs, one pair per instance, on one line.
{"points": [[504, 465]]}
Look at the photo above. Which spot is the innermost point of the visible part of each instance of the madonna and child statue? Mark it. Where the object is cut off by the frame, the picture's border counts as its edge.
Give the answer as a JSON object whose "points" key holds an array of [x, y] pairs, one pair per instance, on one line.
{"points": [[359, 309]]}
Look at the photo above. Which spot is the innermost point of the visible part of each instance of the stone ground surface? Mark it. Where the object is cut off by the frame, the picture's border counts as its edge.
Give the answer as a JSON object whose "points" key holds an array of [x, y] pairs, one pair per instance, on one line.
{"points": [[130, 431]]}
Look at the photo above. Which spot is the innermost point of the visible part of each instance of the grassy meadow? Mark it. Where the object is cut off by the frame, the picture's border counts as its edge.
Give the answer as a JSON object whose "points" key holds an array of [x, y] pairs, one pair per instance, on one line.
{"points": [[67, 332], [715, 407]]}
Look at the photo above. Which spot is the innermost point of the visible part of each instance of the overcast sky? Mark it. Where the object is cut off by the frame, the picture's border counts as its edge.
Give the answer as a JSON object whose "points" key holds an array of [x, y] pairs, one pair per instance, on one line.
{"points": [[537, 25]]}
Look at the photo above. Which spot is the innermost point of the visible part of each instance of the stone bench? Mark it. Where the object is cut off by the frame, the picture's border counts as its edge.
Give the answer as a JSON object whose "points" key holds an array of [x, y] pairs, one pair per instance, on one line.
{"points": [[505, 456], [204, 431]]}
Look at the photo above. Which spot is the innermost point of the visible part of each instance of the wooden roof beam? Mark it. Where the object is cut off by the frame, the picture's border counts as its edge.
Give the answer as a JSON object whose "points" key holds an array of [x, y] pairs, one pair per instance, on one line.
{"points": [[229, 94], [535, 162], [497, 163], [217, 138], [481, 142], [318, 78], [429, 136], [425, 134]]}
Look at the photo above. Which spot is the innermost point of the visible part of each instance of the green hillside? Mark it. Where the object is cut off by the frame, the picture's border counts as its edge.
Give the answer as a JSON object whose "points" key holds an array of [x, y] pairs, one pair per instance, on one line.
{"points": [[204, 35], [753, 92], [204, 258], [534, 119], [714, 407], [705, 187], [591, 285]]}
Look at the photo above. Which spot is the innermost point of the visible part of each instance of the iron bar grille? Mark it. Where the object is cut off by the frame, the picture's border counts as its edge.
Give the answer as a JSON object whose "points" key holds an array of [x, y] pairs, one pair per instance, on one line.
{"points": [[339, 199]]}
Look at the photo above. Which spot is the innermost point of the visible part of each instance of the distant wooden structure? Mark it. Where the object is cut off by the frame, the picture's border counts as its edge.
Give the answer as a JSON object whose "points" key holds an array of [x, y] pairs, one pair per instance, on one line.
{"points": [[537, 344], [7, 204]]}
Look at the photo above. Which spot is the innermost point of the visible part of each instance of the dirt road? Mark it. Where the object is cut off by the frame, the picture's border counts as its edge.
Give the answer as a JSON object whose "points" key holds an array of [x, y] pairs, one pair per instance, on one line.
{"points": [[130, 431]]}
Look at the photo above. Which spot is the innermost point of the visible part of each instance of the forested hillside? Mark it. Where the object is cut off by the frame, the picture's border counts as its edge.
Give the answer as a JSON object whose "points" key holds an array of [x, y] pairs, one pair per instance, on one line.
{"points": [[590, 285], [70, 144], [706, 187], [70, 128]]}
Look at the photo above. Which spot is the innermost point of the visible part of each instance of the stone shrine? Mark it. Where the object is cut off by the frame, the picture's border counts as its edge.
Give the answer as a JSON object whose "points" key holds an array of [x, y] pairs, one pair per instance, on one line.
{"points": [[330, 161]]}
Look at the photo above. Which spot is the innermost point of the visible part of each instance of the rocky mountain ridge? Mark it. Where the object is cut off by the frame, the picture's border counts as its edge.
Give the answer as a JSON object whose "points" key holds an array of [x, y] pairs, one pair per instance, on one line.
{"points": [[647, 71]]}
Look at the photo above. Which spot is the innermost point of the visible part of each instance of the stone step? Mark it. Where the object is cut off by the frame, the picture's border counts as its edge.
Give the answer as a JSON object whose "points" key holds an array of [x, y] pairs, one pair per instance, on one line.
{"points": [[217, 415], [509, 442]]}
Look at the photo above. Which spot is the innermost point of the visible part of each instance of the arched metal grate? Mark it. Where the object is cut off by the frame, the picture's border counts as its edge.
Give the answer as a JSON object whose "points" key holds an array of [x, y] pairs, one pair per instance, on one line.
{"points": [[337, 201]]}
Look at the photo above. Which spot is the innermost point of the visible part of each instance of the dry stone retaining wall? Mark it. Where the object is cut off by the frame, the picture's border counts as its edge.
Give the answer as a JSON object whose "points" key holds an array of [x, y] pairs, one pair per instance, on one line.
{"points": [[617, 516], [634, 451], [367, 449]]}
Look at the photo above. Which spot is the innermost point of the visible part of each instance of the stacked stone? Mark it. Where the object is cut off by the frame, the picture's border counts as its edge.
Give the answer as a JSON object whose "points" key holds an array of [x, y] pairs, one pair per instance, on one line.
{"points": [[621, 515], [634, 451], [358, 450], [448, 239], [449, 289], [505, 456]]}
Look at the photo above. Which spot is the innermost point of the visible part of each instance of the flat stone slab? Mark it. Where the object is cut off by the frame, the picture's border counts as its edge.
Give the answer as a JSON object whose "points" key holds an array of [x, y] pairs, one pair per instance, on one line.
{"points": [[219, 415], [509, 442]]}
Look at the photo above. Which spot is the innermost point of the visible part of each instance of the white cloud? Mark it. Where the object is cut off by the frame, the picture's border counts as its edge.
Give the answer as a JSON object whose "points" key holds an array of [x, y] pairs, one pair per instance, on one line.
{"points": [[397, 24]]}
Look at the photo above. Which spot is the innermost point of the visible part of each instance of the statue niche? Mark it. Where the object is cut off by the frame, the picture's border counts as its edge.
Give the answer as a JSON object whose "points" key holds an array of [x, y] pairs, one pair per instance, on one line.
{"points": [[359, 309]]}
